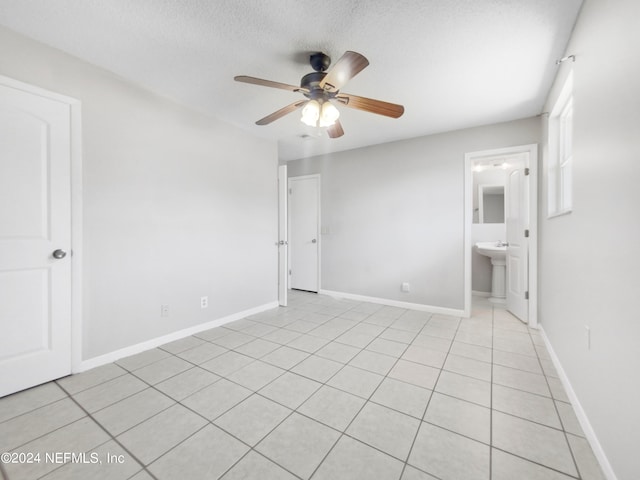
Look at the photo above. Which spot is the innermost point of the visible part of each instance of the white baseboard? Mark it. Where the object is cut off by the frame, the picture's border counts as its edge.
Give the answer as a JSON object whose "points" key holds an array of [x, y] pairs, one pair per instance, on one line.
{"points": [[580, 413], [395, 303], [156, 342], [480, 294]]}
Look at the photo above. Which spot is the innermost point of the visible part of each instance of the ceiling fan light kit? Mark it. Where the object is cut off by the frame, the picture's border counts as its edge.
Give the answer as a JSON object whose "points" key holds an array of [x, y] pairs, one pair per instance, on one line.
{"points": [[320, 87]]}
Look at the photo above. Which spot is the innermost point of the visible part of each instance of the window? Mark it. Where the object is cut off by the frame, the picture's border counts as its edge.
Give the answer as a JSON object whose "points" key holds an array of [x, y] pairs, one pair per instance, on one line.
{"points": [[561, 152]]}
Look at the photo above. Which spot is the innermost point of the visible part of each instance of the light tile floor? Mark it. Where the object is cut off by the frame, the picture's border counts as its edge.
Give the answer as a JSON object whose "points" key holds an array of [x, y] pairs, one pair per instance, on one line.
{"points": [[322, 389]]}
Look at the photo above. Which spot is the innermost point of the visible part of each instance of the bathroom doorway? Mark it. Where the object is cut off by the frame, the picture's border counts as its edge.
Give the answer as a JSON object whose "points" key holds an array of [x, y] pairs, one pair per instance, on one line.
{"points": [[501, 212]]}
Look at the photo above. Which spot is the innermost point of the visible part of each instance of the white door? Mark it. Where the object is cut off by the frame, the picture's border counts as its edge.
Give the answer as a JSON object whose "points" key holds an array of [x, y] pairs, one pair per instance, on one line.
{"points": [[304, 241], [283, 247], [517, 224], [35, 240]]}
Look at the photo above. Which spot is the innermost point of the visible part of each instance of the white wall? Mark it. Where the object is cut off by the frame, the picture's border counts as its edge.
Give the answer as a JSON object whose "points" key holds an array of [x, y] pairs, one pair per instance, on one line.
{"points": [[395, 213], [176, 205], [590, 259]]}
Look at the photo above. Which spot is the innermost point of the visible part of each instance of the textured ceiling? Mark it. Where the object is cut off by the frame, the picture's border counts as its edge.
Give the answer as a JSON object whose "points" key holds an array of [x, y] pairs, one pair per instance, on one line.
{"points": [[451, 63]]}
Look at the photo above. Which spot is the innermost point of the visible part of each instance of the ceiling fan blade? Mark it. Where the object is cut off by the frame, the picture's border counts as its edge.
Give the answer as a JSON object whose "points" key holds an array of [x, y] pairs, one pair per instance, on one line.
{"points": [[347, 67], [268, 83], [370, 105], [335, 130], [280, 113]]}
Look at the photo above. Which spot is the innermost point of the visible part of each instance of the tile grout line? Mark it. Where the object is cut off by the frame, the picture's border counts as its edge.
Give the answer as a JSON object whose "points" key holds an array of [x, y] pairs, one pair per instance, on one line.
{"points": [[343, 433], [426, 408], [555, 406], [144, 467]]}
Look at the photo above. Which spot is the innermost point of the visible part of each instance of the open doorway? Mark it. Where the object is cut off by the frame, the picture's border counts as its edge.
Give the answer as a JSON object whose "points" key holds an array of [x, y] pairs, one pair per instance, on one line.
{"points": [[501, 228]]}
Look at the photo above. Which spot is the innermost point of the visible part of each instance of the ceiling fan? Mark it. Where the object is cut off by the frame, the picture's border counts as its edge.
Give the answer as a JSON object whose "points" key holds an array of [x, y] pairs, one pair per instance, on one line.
{"points": [[322, 89]]}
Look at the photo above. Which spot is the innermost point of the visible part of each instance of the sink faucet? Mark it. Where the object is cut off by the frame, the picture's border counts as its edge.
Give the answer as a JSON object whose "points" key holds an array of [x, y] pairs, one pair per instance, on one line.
{"points": [[502, 244]]}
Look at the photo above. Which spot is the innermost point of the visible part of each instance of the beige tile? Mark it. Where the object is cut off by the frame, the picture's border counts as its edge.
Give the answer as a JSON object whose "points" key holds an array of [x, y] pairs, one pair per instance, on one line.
{"points": [[217, 398], [529, 406], [227, 363], [338, 352], [528, 382], [28, 400], [425, 356], [332, 407], [587, 463], [285, 357], [256, 375], [415, 373], [317, 368], [532, 441], [207, 454], [354, 380], [108, 393], [353, 460], [290, 390], [459, 416], [24, 428], [187, 383], [252, 419], [469, 367], [448, 455], [81, 381], [254, 465], [143, 359], [202, 353], [387, 347], [298, 444], [385, 429], [167, 429], [508, 467], [412, 473], [373, 362], [402, 396], [78, 437], [163, 369], [181, 345], [465, 388], [133, 410]]}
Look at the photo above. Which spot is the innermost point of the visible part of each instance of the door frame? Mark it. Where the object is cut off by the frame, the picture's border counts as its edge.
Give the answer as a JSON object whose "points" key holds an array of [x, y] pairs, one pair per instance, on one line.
{"points": [[469, 159], [75, 109], [283, 236], [304, 177]]}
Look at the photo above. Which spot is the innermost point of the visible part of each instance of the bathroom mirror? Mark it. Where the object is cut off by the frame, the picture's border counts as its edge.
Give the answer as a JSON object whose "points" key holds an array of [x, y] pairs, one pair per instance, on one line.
{"points": [[490, 204]]}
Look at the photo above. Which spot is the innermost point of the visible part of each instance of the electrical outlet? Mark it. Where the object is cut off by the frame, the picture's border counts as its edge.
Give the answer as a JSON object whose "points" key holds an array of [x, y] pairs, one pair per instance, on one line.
{"points": [[204, 302], [406, 287], [587, 336], [164, 310]]}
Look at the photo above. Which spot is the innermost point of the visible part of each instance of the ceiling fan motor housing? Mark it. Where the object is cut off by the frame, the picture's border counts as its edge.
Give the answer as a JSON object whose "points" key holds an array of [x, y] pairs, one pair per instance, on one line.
{"points": [[311, 81], [319, 61]]}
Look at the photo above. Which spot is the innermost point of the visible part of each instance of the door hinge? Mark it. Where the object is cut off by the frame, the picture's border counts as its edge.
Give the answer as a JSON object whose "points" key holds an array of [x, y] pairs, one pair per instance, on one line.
{"points": [[290, 191], [526, 295], [289, 271], [526, 233], [526, 171]]}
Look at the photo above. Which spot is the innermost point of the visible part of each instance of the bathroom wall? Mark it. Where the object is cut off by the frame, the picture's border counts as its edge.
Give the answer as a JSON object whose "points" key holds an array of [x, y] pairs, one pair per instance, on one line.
{"points": [[484, 232]]}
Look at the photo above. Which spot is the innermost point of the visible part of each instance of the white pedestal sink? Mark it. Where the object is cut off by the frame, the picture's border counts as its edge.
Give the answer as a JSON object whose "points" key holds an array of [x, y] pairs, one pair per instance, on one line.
{"points": [[497, 252]]}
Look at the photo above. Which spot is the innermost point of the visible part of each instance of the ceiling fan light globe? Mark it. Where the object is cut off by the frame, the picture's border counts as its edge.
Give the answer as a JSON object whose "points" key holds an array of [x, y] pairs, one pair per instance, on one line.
{"points": [[311, 113], [329, 114]]}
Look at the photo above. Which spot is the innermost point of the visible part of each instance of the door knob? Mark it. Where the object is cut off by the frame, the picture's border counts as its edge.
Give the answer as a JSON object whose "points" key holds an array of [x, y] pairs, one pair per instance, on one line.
{"points": [[313, 241], [59, 254]]}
